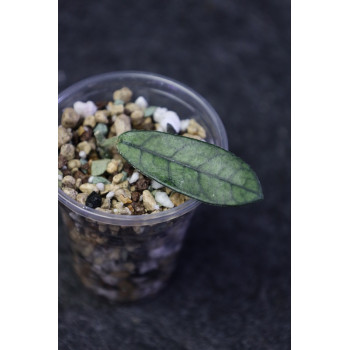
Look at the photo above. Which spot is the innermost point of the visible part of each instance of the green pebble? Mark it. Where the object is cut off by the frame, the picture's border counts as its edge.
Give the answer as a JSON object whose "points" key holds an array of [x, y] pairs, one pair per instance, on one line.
{"points": [[101, 128], [118, 102], [83, 161], [98, 167], [125, 175], [98, 179], [149, 111]]}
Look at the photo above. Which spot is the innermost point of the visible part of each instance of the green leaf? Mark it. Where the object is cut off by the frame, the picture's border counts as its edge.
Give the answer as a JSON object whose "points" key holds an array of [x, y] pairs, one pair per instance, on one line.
{"points": [[100, 179], [98, 167], [195, 168]]}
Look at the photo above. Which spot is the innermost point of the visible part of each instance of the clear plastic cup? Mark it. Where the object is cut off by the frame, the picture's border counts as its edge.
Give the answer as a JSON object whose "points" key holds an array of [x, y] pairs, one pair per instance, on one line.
{"points": [[121, 257]]}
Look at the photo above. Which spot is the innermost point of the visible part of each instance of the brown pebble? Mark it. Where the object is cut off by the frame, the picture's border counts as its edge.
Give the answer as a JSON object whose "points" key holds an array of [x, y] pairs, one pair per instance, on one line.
{"points": [[66, 172], [85, 136], [129, 169], [79, 175], [101, 104], [135, 196], [138, 208], [62, 161], [142, 184]]}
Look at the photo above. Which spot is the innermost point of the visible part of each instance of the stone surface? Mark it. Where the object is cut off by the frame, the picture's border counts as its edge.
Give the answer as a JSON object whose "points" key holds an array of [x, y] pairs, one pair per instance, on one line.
{"points": [[231, 288]]}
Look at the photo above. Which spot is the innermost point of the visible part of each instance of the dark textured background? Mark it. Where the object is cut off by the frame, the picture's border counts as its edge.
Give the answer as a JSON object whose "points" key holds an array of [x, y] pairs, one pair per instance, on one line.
{"points": [[231, 289]]}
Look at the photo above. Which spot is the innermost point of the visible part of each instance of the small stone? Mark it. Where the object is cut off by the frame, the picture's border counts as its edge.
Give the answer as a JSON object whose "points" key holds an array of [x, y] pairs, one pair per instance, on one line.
{"points": [[82, 154], [64, 135], [135, 196], [112, 166], [131, 107], [171, 118], [114, 109], [123, 195], [138, 208], [149, 111], [85, 109], [90, 121], [99, 179], [74, 163], [60, 177], [147, 124], [123, 94], [110, 194], [156, 185], [101, 116], [195, 129], [81, 130], [148, 200], [93, 200], [163, 199], [70, 118], [78, 181], [122, 124], [101, 129], [91, 178], [196, 137], [81, 198], [134, 177], [178, 198], [87, 135], [88, 188], [106, 203], [141, 102], [136, 118], [84, 146], [100, 186], [98, 167], [117, 178], [159, 114], [70, 192], [68, 151], [142, 183], [62, 161]]}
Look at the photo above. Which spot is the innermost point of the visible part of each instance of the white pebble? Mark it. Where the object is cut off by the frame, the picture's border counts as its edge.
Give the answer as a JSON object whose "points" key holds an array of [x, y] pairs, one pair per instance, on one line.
{"points": [[171, 118], [85, 109], [100, 186], [134, 177], [156, 207], [184, 124], [114, 118], [60, 177], [82, 154], [159, 113], [141, 102], [163, 199], [110, 194], [156, 185], [91, 178], [141, 198]]}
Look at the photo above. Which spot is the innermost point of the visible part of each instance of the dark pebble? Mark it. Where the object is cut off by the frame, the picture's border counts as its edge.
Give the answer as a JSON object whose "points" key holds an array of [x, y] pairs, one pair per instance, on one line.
{"points": [[170, 129], [86, 135], [93, 200], [135, 196], [138, 207], [129, 169], [62, 161], [142, 184]]}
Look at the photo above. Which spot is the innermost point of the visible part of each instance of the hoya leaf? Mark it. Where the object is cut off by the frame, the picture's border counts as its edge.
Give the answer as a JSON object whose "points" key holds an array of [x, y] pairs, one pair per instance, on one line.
{"points": [[98, 167], [195, 168]]}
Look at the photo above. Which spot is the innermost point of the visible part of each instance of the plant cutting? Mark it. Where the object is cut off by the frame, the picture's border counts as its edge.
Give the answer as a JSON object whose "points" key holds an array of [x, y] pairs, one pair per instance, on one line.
{"points": [[132, 174], [192, 167]]}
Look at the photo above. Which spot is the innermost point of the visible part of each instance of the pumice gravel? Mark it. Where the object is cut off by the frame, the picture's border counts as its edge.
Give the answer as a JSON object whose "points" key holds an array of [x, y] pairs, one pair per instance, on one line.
{"points": [[98, 176]]}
